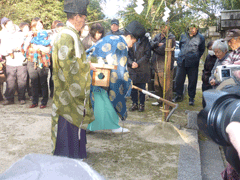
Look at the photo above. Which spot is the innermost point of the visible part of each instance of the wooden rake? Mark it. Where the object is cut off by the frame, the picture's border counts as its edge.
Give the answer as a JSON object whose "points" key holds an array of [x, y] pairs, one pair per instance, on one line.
{"points": [[175, 106]]}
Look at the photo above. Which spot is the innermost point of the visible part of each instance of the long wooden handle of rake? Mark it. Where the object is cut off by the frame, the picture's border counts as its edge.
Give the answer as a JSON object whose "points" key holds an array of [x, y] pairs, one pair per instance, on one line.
{"points": [[155, 96], [175, 106]]}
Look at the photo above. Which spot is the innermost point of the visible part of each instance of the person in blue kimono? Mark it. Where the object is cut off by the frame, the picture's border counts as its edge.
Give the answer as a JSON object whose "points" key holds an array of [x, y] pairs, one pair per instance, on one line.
{"points": [[109, 103]]}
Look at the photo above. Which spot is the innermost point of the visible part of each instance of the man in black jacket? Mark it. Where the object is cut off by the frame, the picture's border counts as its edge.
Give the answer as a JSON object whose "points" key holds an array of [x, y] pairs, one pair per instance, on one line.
{"points": [[192, 46], [115, 28], [158, 45], [139, 70]]}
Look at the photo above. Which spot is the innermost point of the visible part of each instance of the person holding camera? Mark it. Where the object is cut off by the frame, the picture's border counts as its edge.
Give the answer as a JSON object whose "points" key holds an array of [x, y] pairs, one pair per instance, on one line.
{"points": [[226, 109], [220, 49], [233, 39]]}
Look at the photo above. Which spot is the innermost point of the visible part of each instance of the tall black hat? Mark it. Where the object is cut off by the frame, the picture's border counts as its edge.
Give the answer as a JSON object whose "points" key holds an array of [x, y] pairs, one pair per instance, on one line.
{"points": [[136, 29], [76, 6]]}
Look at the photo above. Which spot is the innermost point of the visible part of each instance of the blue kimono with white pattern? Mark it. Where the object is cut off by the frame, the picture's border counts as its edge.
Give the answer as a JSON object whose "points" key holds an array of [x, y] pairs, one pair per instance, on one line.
{"points": [[115, 48]]}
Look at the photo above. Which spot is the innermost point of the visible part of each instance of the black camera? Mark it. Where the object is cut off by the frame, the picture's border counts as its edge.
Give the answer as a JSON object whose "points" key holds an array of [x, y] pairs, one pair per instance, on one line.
{"points": [[222, 107]]}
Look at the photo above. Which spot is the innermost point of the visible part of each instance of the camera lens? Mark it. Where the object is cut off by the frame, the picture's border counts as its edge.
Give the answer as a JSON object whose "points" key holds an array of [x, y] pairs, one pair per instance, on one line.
{"points": [[217, 121], [221, 109]]}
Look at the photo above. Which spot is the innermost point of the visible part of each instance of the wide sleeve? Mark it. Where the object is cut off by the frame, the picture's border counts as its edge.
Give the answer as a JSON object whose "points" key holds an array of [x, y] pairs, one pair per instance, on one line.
{"points": [[71, 74], [74, 68]]}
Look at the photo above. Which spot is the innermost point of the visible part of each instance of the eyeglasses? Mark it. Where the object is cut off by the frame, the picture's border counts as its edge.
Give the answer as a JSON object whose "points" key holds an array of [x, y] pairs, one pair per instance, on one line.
{"points": [[218, 52]]}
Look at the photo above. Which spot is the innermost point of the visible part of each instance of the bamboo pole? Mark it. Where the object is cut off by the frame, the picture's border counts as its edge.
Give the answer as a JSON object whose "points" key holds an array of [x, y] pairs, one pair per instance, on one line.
{"points": [[167, 76]]}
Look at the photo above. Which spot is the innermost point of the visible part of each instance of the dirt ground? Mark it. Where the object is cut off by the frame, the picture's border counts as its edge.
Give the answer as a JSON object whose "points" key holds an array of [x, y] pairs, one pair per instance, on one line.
{"points": [[149, 151]]}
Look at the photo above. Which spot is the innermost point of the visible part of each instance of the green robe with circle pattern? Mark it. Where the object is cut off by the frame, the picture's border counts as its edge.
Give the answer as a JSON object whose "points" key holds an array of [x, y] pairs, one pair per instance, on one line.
{"points": [[71, 76]]}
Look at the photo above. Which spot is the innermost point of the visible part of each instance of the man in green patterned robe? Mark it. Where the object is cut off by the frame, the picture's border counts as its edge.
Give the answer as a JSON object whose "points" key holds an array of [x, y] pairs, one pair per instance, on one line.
{"points": [[71, 109]]}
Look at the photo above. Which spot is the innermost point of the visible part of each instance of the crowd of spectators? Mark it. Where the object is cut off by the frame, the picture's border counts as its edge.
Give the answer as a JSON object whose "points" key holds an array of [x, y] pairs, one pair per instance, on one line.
{"points": [[26, 53], [26, 60]]}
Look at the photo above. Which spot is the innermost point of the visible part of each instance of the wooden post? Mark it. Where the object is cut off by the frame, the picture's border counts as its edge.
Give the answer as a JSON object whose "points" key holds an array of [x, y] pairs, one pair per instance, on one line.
{"points": [[168, 83]]}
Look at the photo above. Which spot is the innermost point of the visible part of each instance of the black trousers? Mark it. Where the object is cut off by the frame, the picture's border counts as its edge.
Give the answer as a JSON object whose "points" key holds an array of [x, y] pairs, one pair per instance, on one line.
{"points": [[192, 73], [134, 94], [38, 80], [16, 78]]}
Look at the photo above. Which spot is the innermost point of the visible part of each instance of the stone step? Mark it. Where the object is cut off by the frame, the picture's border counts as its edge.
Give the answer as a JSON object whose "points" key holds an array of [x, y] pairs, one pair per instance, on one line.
{"points": [[211, 160]]}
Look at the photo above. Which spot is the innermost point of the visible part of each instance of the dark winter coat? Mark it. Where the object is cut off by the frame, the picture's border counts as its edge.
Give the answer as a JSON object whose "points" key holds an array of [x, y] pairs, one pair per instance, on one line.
{"points": [[88, 41], [207, 71], [141, 54], [191, 49], [158, 59]]}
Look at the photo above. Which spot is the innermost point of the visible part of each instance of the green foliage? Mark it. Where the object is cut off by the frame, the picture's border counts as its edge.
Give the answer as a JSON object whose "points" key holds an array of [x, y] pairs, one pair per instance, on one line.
{"points": [[182, 14], [158, 9], [25, 10], [151, 17], [95, 14], [230, 4], [146, 17], [95, 11], [48, 10], [150, 4]]}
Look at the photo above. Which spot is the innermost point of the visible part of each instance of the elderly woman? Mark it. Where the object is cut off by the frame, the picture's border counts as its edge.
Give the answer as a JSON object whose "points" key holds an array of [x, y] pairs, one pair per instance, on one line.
{"points": [[95, 34], [220, 49]]}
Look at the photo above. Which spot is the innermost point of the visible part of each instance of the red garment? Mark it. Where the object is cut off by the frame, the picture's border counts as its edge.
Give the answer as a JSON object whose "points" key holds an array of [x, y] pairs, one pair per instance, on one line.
{"points": [[34, 55]]}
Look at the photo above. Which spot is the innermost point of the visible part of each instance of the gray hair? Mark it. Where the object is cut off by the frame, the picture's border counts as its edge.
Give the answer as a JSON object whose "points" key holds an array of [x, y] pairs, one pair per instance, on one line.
{"points": [[220, 44]]}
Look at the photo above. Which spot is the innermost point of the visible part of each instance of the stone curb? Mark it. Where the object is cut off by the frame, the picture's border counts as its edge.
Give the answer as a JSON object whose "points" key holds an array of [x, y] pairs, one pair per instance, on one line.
{"points": [[189, 163]]}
